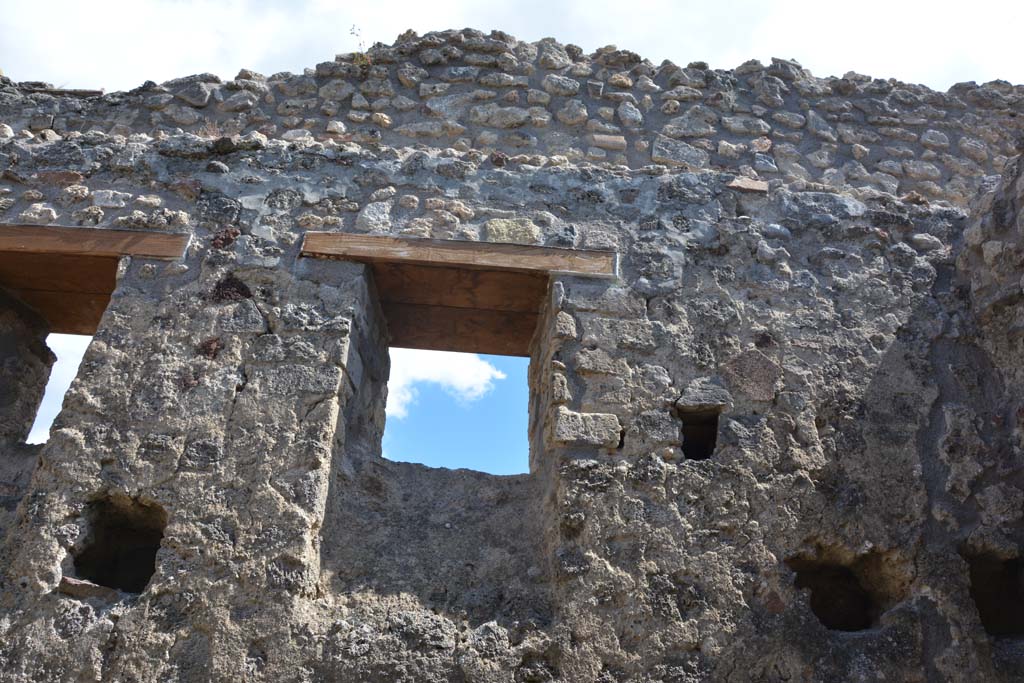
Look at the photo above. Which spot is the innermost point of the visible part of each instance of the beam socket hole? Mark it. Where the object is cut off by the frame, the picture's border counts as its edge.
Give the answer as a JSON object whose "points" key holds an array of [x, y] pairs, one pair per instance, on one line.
{"points": [[120, 548], [997, 588], [700, 433]]}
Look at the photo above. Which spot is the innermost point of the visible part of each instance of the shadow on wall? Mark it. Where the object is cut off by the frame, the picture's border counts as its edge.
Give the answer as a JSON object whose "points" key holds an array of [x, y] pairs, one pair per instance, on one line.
{"points": [[460, 542]]}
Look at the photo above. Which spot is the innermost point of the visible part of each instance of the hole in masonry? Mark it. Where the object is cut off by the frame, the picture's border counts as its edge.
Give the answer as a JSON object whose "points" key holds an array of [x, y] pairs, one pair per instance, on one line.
{"points": [[998, 593], [700, 433], [838, 598], [120, 548], [458, 410], [848, 591], [69, 349]]}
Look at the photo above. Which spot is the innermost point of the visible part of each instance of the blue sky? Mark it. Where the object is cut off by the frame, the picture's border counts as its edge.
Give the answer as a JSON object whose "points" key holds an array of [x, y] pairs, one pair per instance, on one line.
{"points": [[69, 349], [448, 426], [444, 409]]}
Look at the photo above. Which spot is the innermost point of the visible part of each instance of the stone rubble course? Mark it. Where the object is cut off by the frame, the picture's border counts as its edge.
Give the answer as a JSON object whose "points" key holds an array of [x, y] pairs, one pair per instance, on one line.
{"points": [[462, 90], [829, 270]]}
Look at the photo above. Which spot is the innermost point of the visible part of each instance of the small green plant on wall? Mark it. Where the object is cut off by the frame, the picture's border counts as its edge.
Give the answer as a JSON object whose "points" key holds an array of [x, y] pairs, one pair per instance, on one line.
{"points": [[360, 58]]}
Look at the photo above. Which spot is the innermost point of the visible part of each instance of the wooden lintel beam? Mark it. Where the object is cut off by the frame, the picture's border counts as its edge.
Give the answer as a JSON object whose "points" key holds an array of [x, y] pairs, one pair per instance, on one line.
{"points": [[459, 254], [67, 312], [460, 287], [58, 272], [54, 239], [467, 330]]}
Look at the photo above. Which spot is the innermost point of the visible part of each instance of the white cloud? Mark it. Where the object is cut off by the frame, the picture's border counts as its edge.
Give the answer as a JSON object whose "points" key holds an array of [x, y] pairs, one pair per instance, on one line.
{"points": [[69, 349], [466, 376], [118, 44]]}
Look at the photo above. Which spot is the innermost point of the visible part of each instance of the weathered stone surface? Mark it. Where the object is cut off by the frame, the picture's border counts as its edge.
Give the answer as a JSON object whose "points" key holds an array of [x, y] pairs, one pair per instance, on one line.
{"points": [[554, 84], [629, 115], [748, 185], [337, 90], [240, 101], [820, 128], [586, 429], [615, 143], [374, 217], [745, 125], [573, 113], [499, 117], [677, 153], [698, 121], [195, 94], [516, 230]]}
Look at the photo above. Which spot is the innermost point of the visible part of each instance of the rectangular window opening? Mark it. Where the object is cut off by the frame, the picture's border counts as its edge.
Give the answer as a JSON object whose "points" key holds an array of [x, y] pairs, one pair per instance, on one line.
{"points": [[69, 349], [458, 411]]}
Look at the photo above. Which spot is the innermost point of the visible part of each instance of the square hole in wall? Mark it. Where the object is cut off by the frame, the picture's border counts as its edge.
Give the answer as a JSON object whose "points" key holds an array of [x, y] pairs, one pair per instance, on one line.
{"points": [[458, 410], [700, 432], [123, 539]]}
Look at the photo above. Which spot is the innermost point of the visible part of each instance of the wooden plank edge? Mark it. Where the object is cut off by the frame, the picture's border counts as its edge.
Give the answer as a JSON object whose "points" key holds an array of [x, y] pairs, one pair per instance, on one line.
{"points": [[317, 244], [442, 328], [113, 242]]}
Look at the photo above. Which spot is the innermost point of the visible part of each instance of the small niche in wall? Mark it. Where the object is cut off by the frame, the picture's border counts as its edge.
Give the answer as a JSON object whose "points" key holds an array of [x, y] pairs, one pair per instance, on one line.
{"points": [[998, 593], [849, 591], [120, 548], [838, 598], [700, 432]]}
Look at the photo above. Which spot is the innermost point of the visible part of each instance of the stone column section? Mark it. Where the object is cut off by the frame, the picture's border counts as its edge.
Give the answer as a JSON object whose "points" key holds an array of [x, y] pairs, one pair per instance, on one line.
{"points": [[25, 362], [212, 391]]}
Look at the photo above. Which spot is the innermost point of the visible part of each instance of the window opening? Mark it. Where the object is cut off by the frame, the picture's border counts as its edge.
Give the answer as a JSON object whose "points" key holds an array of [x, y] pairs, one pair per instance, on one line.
{"points": [[69, 349], [700, 433], [120, 549], [998, 594], [458, 410]]}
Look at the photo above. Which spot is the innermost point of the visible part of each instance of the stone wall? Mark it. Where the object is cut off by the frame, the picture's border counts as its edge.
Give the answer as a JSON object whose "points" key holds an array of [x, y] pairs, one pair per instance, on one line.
{"points": [[24, 368], [785, 444], [549, 104]]}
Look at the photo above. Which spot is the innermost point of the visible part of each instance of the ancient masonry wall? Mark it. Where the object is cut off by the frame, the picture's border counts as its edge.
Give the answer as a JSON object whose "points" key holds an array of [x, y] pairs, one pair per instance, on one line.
{"points": [[24, 368], [784, 444]]}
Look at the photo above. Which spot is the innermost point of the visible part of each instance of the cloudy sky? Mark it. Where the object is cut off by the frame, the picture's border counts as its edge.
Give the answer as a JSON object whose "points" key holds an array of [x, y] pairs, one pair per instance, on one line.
{"points": [[118, 44]]}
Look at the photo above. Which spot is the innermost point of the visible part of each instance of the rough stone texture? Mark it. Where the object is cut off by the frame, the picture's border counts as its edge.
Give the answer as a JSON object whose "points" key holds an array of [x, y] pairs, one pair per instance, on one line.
{"points": [[846, 323], [853, 132], [24, 368]]}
